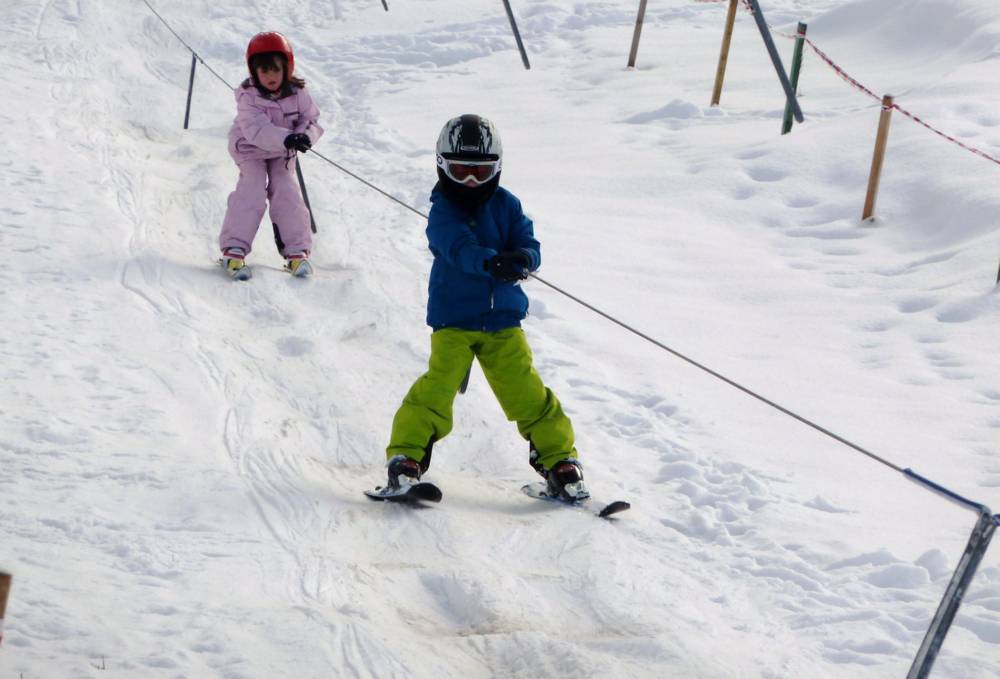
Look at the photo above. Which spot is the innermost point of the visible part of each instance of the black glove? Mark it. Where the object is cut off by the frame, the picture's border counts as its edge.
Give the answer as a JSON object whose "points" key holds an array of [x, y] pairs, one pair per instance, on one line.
{"points": [[509, 266], [298, 141]]}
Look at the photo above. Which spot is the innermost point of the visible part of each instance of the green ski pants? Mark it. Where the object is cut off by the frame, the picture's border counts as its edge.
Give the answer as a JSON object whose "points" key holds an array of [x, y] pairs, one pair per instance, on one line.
{"points": [[426, 413]]}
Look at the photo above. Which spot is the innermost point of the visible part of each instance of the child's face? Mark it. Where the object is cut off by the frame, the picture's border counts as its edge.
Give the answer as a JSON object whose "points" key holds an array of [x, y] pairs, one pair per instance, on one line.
{"points": [[271, 76]]}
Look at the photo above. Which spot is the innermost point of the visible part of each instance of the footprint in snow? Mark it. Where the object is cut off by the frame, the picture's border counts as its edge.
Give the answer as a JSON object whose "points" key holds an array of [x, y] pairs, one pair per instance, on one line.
{"points": [[766, 174], [294, 346], [825, 505]]}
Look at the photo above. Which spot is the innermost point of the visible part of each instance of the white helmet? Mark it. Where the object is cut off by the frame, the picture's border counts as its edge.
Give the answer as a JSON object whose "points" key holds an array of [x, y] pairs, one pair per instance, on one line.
{"points": [[469, 137], [469, 150]]}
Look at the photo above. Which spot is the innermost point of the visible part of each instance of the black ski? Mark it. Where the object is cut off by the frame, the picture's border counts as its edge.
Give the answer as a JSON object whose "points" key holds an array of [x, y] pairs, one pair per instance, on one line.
{"points": [[411, 493], [540, 491]]}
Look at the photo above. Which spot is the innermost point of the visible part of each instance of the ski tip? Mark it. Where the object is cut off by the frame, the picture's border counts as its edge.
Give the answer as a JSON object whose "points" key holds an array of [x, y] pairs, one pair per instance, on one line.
{"points": [[427, 492], [303, 270], [243, 274], [614, 508]]}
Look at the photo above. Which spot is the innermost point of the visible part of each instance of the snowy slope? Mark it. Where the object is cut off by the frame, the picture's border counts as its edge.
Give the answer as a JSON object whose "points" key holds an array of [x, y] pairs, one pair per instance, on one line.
{"points": [[182, 457]]}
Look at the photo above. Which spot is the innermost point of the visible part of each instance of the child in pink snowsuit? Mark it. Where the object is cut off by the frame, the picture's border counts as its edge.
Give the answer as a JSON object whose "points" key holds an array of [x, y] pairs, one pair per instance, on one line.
{"points": [[275, 118]]}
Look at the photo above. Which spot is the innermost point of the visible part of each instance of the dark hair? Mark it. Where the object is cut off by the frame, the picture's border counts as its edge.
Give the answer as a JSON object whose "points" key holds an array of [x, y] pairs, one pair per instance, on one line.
{"points": [[273, 60]]}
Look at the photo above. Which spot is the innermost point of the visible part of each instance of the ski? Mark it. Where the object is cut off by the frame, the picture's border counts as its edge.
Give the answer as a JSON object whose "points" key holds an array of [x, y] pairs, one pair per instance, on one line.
{"points": [[242, 273], [410, 493], [303, 269], [539, 491]]}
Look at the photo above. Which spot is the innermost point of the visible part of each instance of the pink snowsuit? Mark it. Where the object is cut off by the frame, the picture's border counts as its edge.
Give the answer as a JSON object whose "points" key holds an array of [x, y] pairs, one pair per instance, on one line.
{"points": [[267, 168]]}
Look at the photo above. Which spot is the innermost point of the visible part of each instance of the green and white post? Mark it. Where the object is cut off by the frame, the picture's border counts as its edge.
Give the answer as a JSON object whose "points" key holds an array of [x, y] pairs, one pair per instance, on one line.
{"points": [[800, 39]]}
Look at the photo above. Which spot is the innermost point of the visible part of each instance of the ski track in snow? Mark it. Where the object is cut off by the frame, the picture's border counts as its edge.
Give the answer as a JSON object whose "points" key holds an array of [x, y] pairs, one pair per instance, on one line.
{"points": [[199, 448]]}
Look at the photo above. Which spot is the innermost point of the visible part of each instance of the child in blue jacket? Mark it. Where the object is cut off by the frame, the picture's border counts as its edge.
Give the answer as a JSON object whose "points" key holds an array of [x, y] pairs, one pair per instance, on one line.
{"points": [[483, 246]]}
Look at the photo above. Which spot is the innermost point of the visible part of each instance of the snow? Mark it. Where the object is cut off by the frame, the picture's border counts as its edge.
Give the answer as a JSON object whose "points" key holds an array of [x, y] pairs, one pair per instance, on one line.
{"points": [[182, 457]]}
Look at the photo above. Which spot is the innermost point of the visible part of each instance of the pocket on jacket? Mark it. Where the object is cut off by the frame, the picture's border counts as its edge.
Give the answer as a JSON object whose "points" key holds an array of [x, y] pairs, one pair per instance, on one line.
{"points": [[243, 146]]}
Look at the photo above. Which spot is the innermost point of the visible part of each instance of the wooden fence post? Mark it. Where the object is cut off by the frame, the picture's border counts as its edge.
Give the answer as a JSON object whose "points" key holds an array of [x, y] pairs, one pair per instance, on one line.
{"points": [[800, 38], [5, 580], [727, 37], [636, 33], [878, 157]]}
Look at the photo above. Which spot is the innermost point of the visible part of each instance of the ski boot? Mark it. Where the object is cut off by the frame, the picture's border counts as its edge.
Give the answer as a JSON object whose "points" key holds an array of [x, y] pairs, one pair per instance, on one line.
{"points": [[564, 480], [233, 262], [403, 469], [298, 265]]}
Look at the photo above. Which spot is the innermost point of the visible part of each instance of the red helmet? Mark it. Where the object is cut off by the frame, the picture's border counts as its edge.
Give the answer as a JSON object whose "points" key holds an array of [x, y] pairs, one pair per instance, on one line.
{"points": [[271, 42]]}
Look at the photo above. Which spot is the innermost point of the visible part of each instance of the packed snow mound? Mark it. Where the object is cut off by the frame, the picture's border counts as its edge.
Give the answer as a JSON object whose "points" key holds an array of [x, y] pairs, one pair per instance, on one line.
{"points": [[948, 30]]}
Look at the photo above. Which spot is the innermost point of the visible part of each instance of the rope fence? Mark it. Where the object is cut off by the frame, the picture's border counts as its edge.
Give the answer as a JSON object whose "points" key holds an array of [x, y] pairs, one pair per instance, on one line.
{"points": [[856, 84], [888, 103], [987, 523]]}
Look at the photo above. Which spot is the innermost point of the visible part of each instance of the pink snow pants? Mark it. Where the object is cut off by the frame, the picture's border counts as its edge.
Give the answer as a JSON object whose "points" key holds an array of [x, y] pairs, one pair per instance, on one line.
{"points": [[271, 181]]}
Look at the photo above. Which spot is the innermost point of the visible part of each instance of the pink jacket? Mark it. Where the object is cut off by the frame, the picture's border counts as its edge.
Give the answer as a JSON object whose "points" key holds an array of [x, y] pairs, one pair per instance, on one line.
{"points": [[261, 124]]}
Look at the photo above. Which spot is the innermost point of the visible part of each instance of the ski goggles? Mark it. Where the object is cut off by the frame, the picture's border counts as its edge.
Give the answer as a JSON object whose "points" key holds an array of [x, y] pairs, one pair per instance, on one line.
{"points": [[461, 171]]}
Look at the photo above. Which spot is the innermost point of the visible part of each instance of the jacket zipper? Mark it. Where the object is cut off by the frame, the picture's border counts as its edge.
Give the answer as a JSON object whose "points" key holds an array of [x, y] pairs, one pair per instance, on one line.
{"points": [[492, 290]]}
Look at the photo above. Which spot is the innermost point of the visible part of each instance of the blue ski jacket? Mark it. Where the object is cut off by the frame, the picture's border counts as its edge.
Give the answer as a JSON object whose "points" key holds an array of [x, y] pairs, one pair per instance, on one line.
{"points": [[461, 294]]}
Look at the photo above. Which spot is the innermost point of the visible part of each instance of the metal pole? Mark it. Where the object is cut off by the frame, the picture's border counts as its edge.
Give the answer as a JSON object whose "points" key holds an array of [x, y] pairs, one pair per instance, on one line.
{"points": [[979, 541], [305, 195], [517, 34], [638, 31], [800, 39], [187, 111], [881, 141], [5, 580], [765, 33], [727, 37]]}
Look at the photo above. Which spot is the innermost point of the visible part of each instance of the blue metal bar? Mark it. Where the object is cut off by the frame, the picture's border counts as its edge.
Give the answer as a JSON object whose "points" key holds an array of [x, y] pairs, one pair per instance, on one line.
{"points": [[765, 33], [941, 490]]}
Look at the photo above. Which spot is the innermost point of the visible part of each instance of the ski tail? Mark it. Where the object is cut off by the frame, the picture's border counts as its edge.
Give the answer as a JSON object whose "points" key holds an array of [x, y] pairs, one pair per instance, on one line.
{"points": [[415, 492]]}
